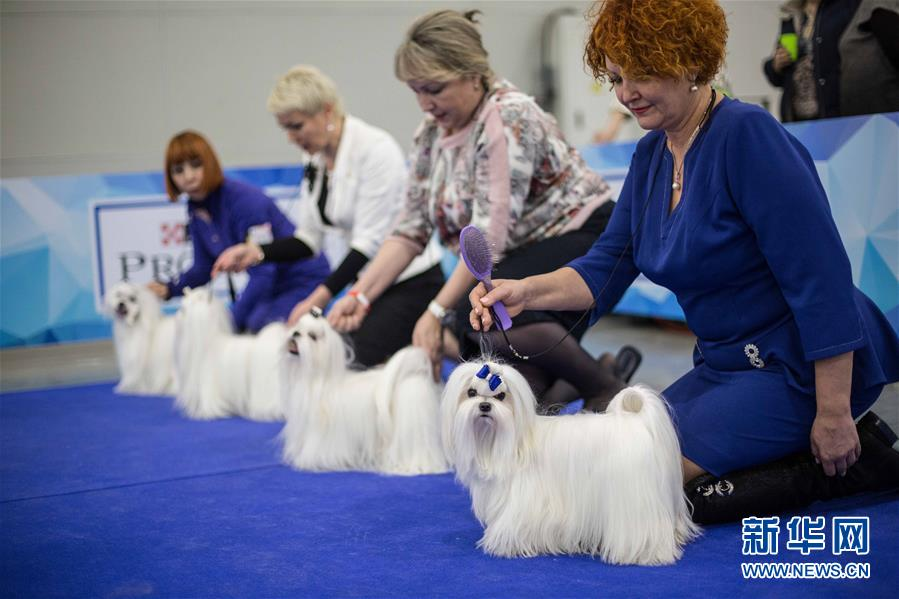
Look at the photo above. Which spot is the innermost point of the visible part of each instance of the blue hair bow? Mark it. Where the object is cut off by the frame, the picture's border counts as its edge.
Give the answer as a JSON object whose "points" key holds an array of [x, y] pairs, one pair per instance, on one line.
{"points": [[493, 382]]}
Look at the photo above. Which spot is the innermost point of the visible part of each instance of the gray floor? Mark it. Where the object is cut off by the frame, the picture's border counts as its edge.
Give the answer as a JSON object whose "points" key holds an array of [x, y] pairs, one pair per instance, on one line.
{"points": [[667, 354]]}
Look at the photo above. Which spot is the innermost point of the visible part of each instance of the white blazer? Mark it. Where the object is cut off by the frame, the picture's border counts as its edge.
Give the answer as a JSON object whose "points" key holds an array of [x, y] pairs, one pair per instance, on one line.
{"points": [[365, 194]]}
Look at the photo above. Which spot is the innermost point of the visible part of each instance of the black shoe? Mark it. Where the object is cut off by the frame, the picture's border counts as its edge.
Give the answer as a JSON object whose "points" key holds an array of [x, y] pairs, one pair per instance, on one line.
{"points": [[627, 361], [872, 423], [879, 441], [796, 481]]}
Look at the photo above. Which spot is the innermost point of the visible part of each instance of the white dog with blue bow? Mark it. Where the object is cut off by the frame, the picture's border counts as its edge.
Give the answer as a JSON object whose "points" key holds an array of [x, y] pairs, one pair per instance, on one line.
{"points": [[608, 485]]}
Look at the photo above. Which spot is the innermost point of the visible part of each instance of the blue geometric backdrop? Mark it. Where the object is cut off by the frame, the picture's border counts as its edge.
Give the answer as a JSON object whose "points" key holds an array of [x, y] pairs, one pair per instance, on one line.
{"points": [[47, 290], [46, 286]]}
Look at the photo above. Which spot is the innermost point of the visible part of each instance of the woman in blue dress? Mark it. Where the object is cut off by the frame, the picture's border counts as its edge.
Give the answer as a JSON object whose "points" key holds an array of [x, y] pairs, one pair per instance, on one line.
{"points": [[222, 212], [723, 207]]}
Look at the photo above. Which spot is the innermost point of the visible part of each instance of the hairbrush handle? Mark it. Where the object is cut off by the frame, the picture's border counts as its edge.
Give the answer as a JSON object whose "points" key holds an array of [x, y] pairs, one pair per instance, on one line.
{"points": [[504, 321], [476, 254]]}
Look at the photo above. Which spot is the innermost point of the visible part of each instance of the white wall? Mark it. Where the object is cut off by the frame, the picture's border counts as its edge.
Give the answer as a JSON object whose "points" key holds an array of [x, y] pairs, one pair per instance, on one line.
{"points": [[101, 86]]}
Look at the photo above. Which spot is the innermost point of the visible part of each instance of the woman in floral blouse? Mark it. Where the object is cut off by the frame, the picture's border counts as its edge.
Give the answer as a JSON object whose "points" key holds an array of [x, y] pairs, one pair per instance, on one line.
{"points": [[487, 155]]}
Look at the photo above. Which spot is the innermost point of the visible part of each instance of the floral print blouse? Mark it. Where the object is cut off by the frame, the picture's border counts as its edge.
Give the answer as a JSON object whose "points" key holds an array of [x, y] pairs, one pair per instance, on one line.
{"points": [[510, 173]]}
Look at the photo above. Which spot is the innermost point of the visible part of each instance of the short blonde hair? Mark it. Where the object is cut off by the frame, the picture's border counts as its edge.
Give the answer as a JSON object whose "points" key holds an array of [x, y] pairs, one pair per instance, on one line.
{"points": [[305, 89], [441, 46]]}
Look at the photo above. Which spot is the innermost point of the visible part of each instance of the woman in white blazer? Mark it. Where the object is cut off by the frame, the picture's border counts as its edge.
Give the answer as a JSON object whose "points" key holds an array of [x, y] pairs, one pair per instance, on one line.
{"points": [[352, 190]]}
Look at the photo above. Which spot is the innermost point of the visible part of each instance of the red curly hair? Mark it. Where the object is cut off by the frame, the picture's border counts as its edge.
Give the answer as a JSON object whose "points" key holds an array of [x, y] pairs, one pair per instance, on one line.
{"points": [[657, 38]]}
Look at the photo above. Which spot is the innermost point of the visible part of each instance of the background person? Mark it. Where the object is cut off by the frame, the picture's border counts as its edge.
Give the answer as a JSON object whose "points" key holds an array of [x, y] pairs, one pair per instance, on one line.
{"points": [[487, 155], [353, 188], [724, 207], [811, 82], [869, 53], [619, 126], [222, 212]]}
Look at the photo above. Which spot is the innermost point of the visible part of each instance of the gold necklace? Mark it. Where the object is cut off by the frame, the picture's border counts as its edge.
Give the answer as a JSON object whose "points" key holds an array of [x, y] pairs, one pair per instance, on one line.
{"points": [[676, 184]]}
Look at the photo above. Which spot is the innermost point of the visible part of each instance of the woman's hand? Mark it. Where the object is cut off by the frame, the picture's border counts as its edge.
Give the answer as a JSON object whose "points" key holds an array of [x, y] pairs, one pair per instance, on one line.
{"points": [[319, 298], [835, 443], [237, 258], [834, 438], [301, 308], [782, 59], [512, 293], [347, 314], [426, 335], [158, 289]]}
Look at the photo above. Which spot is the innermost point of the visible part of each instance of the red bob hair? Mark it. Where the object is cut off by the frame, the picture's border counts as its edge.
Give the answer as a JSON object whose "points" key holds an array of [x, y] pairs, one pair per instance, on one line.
{"points": [[187, 146]]}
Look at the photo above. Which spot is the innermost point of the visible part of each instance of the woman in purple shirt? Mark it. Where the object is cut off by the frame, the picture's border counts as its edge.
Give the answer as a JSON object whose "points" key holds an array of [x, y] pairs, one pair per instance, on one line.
{"points": [[223, 212]]}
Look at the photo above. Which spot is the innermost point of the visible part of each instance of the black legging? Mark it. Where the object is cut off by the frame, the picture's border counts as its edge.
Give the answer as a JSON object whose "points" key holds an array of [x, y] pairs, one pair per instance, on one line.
{"points": [[569, 362], [535, 331]]}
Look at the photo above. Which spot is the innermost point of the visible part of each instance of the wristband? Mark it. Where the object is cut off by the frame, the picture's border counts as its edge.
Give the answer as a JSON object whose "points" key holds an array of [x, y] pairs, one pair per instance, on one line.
{"points": [[437, 310], [360, 297], [259, 258]]}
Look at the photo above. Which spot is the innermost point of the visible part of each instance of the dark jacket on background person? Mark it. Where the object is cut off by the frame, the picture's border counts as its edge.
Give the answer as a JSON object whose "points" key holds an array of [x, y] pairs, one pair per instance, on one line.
{"points": [[869, 50], [831, 20]]}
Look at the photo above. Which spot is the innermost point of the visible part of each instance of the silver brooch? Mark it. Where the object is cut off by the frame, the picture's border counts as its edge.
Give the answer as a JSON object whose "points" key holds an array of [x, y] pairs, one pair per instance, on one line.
{"points": [[705, 490], [752, 352], [724, 487]]}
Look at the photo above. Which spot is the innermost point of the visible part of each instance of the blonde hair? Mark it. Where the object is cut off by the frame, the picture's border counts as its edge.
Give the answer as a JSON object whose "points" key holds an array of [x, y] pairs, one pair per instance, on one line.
{"points": [[441, 46], [305, 89]]}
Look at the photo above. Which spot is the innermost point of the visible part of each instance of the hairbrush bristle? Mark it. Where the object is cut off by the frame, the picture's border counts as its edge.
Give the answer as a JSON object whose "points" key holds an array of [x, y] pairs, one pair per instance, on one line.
{"points": [[476, 252]]}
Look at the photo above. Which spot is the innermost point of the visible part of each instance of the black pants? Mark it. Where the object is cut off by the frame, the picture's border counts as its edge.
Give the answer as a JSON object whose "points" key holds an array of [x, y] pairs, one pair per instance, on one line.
{"points": [[388, 327]]}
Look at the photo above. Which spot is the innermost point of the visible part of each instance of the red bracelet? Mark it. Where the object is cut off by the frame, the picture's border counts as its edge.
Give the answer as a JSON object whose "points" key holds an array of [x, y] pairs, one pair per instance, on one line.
{"points": [[360, 297]]}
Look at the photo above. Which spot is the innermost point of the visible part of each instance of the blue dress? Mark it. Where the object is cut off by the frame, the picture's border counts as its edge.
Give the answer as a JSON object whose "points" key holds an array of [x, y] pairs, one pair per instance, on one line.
{"points": [[226, 217], [754, 258]]}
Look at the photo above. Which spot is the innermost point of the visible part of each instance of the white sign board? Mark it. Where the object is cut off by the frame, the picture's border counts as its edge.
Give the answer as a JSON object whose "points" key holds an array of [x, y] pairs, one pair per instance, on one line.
{"points": [[144, 238]]}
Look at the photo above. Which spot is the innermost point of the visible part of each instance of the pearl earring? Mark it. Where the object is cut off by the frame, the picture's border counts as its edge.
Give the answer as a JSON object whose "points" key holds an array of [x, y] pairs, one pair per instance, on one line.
{"points": [[694, 88]]}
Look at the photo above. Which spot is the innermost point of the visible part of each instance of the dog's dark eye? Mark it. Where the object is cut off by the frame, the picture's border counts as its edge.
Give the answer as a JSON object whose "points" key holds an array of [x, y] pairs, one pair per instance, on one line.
{"points": [[472, 393], [313, 336], [296, 334], [500, 396], [133, 298]]}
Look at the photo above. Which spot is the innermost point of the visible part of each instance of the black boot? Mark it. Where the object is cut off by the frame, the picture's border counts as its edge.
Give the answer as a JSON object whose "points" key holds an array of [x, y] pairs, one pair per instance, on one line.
{"points": [[796, 481]]}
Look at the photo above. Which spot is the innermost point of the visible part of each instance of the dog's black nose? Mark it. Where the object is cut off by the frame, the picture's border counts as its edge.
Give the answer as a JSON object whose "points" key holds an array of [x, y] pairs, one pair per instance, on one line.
{"points": [[121, 306], [484, 407]]}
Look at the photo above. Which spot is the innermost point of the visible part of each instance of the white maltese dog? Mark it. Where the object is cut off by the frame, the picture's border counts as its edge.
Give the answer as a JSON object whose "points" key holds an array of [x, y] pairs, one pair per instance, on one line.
{"points": [[607, 485], [144, 340], [384, 420], [222, 374]]}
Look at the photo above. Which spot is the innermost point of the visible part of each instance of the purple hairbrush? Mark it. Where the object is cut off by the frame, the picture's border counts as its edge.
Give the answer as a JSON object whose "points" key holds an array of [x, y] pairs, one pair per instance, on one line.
{"points": [[479, 260]]}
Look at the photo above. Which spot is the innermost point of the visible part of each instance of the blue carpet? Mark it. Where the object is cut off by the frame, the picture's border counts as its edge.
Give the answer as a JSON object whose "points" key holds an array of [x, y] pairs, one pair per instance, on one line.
{"points": [[80, 438], [115, 496]]}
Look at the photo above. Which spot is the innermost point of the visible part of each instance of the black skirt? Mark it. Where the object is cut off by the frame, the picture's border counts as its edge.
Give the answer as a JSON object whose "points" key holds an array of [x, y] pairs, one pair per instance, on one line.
{"points": [[388, 327]]}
